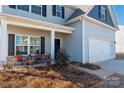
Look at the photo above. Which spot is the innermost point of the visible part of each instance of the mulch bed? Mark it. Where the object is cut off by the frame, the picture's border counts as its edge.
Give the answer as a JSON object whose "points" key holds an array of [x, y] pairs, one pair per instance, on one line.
{"points": [[56, 77], [87, 65]]}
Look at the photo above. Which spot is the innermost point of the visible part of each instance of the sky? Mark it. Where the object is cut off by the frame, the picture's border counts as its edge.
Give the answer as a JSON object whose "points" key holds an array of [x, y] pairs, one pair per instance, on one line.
{"points": [[119, 13]]}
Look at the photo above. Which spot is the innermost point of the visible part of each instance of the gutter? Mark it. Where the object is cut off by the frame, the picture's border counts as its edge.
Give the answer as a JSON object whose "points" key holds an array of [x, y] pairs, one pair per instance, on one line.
{"points": [[34, 20], [85, 17]]}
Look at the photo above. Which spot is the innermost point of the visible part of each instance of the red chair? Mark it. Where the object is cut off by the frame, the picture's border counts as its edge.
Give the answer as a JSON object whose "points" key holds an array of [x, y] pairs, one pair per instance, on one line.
{"points": [[19, 57]]}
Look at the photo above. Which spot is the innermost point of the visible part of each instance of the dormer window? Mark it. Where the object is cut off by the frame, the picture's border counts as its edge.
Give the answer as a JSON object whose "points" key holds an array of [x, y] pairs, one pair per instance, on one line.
{"points": [[103, 13]]}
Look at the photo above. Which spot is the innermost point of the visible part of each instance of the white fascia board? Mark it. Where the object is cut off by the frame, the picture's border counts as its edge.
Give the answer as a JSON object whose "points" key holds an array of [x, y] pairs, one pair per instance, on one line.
{"points": [[99, 22], [112, 14], [52, 25], [89, 9], [90, 19]]}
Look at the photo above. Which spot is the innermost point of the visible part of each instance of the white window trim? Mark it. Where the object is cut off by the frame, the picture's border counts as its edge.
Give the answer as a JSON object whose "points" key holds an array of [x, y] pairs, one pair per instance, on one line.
{"points": [[59, 11], [19, 45], [28, 44], [34, 45], [103, 12]]}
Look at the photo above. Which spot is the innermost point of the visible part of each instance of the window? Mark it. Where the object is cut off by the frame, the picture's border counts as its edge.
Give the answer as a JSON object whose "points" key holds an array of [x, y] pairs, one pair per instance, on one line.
{"points": [[22, 45], [23, 7], [12, 6], [27, 45], [34, 45], [36, 9], [103, 13], [58, 11]]}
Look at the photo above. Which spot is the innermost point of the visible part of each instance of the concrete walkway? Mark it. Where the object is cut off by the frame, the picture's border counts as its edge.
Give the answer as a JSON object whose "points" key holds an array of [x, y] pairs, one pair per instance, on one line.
{"points": [[108, 68], [116, 66], [102, 73]]}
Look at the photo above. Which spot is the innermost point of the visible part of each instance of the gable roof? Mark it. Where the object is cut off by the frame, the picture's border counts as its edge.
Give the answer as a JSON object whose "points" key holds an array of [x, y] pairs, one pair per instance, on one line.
{"points": [[112, 14], [77, 12]]}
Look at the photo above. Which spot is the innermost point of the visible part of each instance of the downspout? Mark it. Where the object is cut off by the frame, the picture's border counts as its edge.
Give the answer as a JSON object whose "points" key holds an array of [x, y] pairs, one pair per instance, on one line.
{"points": [[83, 38]]}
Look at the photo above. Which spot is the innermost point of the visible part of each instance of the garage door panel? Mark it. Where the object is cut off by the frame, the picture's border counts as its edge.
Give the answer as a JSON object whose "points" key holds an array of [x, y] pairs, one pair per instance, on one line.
{"points": [[99, 50]]}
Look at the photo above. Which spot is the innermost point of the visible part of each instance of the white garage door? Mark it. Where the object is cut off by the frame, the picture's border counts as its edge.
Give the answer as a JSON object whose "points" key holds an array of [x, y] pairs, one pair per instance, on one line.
{"points": [[99, 50]]}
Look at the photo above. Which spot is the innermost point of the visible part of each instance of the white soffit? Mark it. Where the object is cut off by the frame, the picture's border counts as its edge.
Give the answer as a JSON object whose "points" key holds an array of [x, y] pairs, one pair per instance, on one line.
{"points": [[85, 8]]}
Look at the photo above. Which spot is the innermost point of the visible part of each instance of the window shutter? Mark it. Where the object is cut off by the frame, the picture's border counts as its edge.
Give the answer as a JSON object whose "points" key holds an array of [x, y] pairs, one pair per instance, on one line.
{"points": [[42, 45], [63, 12], [106, 15], [44, 10], [54, 10], [11, 44], [99, 11], [12, 6]]}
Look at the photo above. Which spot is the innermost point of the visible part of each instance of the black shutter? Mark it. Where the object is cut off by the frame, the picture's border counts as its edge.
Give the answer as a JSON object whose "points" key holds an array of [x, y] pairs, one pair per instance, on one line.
{"points": [[106, 15], [99, 11], [42, 45], [44, 10], [63, 12], [12, 6], [11, 44], [54, 10]]}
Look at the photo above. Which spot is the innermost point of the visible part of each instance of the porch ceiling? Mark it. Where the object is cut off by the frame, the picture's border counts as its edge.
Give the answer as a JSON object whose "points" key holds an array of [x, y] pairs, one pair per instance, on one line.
{"points": [[36, 24]]}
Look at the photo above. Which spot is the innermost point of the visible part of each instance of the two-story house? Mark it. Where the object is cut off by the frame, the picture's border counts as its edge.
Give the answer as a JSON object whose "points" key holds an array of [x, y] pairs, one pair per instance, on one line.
{"points": [[87, 32]]}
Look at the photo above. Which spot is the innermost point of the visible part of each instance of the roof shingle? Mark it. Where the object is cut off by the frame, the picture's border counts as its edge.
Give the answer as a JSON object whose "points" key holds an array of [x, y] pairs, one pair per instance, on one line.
{"points": [[76, 13]]}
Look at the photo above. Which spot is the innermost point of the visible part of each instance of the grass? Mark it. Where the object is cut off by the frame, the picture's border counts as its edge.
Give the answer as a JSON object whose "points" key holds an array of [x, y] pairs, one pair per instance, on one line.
{"points": [[56, 77]]}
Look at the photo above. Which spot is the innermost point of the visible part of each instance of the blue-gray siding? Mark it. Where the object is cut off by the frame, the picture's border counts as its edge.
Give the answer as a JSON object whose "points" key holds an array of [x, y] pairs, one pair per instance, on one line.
{"points": [[49, 18], [94, 13]]}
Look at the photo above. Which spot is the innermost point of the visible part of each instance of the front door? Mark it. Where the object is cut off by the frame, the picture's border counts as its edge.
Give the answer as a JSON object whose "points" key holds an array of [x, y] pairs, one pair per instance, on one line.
{"points": [[57, 46]]}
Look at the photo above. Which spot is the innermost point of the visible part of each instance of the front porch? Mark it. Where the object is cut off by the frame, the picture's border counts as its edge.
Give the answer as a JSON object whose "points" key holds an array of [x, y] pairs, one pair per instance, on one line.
{"points": [[25, 36]]}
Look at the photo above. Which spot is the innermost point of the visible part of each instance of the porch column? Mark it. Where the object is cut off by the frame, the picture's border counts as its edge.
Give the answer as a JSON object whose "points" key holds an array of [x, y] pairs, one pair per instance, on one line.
{"points": [[52, 45], [3, 40]]}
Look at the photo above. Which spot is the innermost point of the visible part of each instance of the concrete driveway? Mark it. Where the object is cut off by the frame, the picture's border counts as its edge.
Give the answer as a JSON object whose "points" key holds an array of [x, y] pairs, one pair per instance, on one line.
{"points": [[115, 66]]}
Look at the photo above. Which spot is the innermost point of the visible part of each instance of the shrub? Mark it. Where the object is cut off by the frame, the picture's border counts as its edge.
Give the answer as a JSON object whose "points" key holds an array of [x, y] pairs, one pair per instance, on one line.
{"points": [[47, 60], [62, 57]]}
